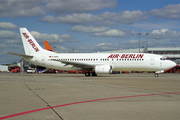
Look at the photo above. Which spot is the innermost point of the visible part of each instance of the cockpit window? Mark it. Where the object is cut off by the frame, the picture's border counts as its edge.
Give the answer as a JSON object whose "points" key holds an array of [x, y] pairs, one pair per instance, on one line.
{"points": [[163, 58]]}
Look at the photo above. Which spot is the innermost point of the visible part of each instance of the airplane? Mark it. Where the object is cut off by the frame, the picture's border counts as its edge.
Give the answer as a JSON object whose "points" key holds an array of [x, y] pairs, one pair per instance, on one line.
{"points": [[47, 46], [93, 63]]}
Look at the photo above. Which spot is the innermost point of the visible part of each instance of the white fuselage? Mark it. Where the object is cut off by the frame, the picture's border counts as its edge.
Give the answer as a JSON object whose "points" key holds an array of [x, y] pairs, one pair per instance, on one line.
{"points": [[118, 61]]}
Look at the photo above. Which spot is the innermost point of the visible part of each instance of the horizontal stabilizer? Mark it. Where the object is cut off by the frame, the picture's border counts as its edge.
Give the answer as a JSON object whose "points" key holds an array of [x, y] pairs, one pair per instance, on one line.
{"points": [[21, 55]]}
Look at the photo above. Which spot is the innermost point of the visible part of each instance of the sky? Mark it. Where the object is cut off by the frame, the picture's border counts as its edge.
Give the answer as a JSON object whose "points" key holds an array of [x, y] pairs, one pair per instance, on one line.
{"points": [[89, 25]]}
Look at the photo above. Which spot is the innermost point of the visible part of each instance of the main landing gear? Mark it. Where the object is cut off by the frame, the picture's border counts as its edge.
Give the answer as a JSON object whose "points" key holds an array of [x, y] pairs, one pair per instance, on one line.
{"points": [[88, 74]]}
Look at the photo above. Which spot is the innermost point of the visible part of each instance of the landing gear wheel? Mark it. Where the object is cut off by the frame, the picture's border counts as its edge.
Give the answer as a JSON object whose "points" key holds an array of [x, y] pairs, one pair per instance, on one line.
{"points": [[87, 74], [156, 75]]}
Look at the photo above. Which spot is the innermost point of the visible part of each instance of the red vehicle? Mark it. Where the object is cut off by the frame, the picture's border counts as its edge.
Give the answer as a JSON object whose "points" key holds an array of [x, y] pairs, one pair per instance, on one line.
{"points": [[175, 69], [50, 71], [72, 71], [81, 72], [125, 72], [59, 71], [15, 70]]}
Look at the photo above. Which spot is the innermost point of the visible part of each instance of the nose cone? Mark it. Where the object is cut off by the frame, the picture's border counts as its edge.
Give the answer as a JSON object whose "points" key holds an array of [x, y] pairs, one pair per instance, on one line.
{"points": [[170, 64]]}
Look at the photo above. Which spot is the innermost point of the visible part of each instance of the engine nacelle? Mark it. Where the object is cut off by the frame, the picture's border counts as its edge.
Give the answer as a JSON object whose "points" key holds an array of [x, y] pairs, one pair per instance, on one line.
{"points": [[100, 69]]}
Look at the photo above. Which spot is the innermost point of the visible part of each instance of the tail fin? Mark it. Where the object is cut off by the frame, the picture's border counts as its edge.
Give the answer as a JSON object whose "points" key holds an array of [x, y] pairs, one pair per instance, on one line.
{"points": [[47, 46], [31, 46]]}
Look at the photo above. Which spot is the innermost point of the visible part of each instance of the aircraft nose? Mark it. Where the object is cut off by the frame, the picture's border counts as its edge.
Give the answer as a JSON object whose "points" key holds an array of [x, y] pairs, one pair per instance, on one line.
{"points": [[168, 64], [172, 64]]}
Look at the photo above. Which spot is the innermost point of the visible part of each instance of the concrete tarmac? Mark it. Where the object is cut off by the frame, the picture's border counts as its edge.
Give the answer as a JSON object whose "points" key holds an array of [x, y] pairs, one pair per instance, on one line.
{"points": [[134, 96]]}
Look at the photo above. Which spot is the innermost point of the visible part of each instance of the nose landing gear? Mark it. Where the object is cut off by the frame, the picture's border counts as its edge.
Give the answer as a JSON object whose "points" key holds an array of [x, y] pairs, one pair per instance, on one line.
{"points": [[156, 74]]}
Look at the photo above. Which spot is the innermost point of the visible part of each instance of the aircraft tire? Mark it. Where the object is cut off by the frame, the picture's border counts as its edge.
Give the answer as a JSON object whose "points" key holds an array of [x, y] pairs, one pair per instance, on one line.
{"points": [[156, 75], [87, 74]]}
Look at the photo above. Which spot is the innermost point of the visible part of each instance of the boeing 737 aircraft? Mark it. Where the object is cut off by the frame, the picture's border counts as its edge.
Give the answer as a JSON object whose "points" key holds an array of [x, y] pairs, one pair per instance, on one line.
{"points": [[93, 63]]}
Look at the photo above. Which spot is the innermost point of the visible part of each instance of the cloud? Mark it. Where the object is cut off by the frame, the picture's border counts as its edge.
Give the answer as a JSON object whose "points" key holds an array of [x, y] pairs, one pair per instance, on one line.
{"points": [[164, 33], [157, 25], [68, 38], [115, 33], [105, 47], [105, 23], [29, 8], [109, 18], [62, 49], [53, 37], [131, 44], [10, 42], [7, 25], [89, 29], [113, 18], [126, 17], [167, 12], [21, 8], [82, 18], [41, 36], [175, 41], [129, 17], [79, 6], [8, 35]]}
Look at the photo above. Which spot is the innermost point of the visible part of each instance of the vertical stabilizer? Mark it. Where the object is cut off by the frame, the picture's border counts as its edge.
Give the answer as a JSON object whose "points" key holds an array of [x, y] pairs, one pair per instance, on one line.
{"points": [[31, 46], [47, 46]]}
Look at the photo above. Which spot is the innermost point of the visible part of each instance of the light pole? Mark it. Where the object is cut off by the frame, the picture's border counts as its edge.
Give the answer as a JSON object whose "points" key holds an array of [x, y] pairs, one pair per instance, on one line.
{"points": [[73, 50], [139, 39], [147, 40]]}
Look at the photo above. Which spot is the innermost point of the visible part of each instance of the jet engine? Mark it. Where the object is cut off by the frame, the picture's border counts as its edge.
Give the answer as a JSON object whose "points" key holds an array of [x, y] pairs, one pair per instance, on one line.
{"points": [[100, 69]]}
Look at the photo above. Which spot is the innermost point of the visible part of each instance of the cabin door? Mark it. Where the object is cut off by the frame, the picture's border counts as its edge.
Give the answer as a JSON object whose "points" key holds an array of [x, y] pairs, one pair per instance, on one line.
{"points": [[152, 60], [43, 60]]}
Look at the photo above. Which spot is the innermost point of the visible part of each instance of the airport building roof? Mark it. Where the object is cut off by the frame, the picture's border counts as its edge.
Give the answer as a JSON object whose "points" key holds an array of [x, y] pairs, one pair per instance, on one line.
{"points": [[176, 49]]}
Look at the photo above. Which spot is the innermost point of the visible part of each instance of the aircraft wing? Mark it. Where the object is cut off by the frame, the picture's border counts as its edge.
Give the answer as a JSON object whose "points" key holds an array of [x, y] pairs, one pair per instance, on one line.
{"points": [[76, 64], [20, 55]]}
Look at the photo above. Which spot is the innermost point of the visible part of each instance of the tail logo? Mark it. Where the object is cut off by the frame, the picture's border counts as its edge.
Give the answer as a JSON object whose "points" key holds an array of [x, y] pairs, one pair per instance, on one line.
{"points": [[31, 42]]}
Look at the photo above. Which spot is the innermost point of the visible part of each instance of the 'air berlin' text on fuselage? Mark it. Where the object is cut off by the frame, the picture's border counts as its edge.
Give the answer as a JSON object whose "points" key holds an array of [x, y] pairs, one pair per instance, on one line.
{"points": [[31, 42], [126, 56]]}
